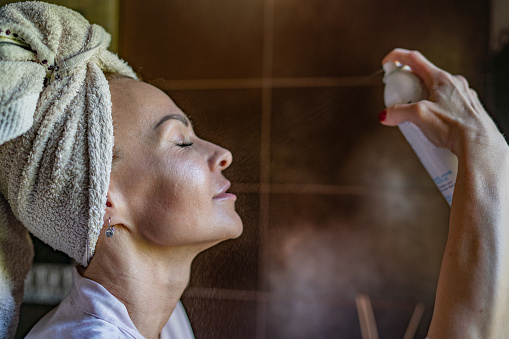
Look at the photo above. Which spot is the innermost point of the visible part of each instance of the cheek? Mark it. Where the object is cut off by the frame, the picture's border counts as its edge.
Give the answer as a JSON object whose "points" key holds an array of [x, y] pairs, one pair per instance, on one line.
{"points": [[182, 197], [181, 183]]}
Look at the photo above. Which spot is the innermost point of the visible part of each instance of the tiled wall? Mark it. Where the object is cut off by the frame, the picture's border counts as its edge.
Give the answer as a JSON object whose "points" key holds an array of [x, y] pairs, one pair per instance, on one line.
{"points": [[333, 203]]}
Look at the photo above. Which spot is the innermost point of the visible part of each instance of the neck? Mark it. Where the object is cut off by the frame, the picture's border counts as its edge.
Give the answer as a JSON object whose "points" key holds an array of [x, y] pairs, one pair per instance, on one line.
{"points": [[147, 280]]}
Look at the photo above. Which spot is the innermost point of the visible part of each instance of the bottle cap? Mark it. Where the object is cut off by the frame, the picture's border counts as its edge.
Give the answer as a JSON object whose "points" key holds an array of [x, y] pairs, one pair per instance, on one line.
{"points": [[390, 66]]}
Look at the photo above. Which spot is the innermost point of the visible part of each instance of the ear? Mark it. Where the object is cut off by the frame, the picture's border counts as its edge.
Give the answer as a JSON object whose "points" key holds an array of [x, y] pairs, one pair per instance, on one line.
{"points": [[115, 208]]}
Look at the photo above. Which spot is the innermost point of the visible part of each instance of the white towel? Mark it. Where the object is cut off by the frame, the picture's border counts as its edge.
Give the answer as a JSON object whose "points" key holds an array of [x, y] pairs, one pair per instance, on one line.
{"points": [[56, 137]]}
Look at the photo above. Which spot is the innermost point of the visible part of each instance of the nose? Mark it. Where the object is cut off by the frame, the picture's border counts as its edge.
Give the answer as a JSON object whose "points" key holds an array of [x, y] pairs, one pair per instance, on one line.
{"points": [[221, 159]]}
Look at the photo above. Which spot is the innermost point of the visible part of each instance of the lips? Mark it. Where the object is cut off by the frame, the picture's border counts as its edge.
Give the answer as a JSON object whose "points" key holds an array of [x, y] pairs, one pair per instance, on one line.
{"points": [[223, 192]]}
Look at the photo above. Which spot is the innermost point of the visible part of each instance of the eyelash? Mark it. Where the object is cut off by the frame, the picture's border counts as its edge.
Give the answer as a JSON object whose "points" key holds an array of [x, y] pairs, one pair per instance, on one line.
{"points": [[184, 144]]}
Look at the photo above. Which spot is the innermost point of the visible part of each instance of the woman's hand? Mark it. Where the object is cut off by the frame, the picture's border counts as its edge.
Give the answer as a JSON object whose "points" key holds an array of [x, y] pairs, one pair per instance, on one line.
{"points": [[452, 117], [472, 299]]}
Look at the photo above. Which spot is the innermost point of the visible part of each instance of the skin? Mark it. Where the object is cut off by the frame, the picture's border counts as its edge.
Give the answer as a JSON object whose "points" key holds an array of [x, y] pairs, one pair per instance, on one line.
{"points": [[473, 290], [168, 201]]}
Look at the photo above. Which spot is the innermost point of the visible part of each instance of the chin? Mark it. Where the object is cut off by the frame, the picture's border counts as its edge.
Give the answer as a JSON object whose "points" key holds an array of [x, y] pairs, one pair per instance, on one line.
{"points": [[231, 230], [237, 227]]}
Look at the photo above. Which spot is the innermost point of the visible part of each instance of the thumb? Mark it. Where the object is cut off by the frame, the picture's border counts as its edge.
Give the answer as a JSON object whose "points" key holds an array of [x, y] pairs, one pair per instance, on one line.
{"points": [[421, 114], [395, 115]]}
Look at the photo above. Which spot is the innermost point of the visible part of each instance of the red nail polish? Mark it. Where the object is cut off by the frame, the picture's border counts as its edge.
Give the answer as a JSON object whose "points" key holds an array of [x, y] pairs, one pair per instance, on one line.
{"points": [[108, 203], [382, 115]]}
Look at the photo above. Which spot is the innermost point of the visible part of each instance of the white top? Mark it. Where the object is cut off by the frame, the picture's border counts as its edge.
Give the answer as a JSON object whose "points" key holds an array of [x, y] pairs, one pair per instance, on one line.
{"points": [[90, 311]]}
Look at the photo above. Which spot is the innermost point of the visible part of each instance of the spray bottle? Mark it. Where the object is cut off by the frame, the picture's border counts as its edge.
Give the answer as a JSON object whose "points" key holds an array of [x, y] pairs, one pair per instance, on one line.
{"points": [[402, 86]]}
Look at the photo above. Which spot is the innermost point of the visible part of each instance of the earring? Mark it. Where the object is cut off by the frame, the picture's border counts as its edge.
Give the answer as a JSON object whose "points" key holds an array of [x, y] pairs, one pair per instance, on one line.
{"points": [[111, 229]]}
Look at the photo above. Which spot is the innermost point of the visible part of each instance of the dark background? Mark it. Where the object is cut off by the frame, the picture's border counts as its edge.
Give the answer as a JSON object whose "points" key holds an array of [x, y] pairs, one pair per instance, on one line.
{"points": [[333, 203]]}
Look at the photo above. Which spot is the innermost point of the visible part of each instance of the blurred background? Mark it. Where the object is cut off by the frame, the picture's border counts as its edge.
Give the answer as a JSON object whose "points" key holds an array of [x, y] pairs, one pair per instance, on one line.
{"points": [[334, 204]]}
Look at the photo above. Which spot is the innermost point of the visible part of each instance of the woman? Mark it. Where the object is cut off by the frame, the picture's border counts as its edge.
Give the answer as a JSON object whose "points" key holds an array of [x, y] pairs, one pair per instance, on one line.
{"points": [[166, 199], [176, 206], [134, 223]]}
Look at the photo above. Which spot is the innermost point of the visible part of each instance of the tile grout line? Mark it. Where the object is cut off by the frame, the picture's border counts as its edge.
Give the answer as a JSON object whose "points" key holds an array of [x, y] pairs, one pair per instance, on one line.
{"points": [[251, 295], [265, 82], [329, 189], [268, 45]]}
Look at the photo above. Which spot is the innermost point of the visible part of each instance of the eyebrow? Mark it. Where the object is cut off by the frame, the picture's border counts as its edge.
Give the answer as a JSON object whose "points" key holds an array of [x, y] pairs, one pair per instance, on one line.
{"points": [[178, 117]]}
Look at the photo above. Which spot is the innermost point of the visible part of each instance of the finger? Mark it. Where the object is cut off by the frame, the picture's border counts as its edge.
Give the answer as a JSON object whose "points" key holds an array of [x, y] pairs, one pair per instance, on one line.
{"points": [[470, 94], [474, 98], [421, 66], [397, 114], [422, 116], [462, 82], [475, 102]]}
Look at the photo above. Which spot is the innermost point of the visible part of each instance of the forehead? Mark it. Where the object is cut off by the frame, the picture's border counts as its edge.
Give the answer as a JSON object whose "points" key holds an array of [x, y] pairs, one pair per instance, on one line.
{"points": [[138, 105]]}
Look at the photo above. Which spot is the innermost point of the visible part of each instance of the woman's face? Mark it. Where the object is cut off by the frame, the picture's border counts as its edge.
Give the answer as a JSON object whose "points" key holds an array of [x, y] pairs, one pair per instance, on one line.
{"points": [[166, 183]]}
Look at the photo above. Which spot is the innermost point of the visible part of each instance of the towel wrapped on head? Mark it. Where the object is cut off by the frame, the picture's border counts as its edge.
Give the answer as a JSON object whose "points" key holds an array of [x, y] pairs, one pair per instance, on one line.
{"points": [[56, 137]]}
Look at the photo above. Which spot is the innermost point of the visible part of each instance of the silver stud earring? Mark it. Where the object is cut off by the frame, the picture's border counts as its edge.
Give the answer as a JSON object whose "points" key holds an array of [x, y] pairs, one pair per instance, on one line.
{"points": [[111, 229]]}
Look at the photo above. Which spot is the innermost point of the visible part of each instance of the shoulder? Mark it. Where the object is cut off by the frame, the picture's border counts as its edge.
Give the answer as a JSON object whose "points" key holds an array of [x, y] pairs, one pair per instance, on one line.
{"points": [[75, 325], [88, 311]]}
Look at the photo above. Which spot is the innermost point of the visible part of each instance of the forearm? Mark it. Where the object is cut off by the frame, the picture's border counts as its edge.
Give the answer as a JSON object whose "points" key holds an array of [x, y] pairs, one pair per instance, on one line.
{"points": [[472, 294], [473, 289]]}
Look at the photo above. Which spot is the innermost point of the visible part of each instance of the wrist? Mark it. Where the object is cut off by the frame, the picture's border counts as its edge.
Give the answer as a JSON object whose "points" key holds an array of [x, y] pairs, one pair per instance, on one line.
{"points": [[483, 175], [483, 144]]}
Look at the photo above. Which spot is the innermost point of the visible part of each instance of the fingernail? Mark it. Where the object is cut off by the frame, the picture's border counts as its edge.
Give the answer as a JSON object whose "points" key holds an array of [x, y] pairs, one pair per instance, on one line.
{"points": [[382, 115]]}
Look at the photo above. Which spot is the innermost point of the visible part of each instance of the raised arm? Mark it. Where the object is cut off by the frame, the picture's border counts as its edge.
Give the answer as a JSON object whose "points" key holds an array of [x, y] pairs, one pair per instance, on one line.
{"points": [[472, 299]]}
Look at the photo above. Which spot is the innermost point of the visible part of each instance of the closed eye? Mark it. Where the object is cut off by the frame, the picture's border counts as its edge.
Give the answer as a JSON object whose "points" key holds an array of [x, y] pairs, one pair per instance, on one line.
{"points": [[184, 144]]}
